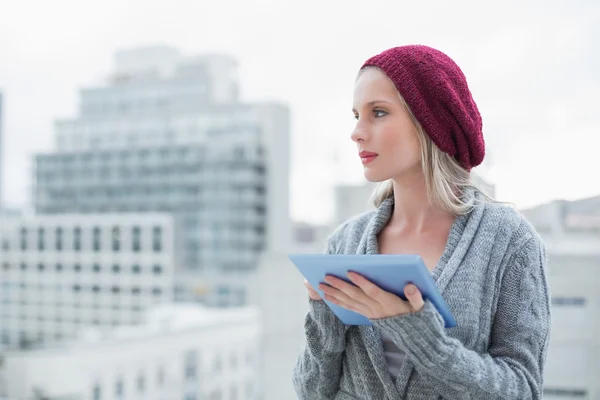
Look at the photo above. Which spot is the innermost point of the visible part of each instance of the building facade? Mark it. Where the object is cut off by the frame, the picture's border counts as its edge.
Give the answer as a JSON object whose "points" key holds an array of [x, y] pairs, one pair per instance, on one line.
{"points": [[170, 134], [60, 274], [571, 232], [180, 351]]}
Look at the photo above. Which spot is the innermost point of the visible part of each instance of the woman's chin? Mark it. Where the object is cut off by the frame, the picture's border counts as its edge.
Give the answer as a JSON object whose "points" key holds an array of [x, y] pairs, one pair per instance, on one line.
{"points": [[374, 177]]}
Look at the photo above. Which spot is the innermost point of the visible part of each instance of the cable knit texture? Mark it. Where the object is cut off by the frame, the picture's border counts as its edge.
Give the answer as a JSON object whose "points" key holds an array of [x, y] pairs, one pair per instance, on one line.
{"points": [[491, 274], [436, 90]]}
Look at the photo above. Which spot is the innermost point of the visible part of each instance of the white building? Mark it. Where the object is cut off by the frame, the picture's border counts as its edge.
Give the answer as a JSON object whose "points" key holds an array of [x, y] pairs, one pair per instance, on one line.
{"points": [[169, 133], [61, 273], [351, 200], [571, 232], [181, 352]]}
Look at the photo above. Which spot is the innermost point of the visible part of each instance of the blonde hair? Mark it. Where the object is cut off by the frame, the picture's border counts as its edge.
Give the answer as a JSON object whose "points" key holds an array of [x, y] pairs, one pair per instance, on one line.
{"points": [[445, 179]]}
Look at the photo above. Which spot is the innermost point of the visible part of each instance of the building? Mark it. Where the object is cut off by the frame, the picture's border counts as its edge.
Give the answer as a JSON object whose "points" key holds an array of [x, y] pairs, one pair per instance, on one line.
{"points": [[571, 232], [351, 200], [180, 351], [170, 134], [1, 153], [62, 273]]}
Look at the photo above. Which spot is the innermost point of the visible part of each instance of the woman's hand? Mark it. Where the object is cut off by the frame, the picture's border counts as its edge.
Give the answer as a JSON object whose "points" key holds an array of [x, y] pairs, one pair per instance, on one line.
{"points": [[312, 293], [366, 298]]}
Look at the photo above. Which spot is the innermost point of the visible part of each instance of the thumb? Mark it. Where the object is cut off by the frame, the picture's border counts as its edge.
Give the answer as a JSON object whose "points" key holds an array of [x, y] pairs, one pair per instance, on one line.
{"points": [[413, 294]]}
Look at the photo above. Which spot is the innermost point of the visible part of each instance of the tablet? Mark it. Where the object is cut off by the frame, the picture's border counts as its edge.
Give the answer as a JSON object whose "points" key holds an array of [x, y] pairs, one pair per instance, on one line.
{"points": [[391, 272]]}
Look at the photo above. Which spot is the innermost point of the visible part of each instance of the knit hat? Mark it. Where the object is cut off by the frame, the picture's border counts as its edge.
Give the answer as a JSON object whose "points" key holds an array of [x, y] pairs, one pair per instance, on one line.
{"points": [[436, 91]]}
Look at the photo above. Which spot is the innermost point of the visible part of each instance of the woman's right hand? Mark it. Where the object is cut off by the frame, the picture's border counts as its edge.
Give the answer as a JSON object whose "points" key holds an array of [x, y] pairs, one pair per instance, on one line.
{"points": [[312, 293]]}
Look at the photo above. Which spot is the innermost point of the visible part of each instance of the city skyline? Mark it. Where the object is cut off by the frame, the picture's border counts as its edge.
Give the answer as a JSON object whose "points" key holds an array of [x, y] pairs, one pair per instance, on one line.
{"points": [[519, 67]]}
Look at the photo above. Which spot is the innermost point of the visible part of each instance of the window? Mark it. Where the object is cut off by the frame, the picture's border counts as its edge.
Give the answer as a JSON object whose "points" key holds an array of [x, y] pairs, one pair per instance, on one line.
{"points": [[191, 365], [77, 267], [160, 377], [157, 239], [23, 266], [96, 392], [157, 270], [136, 269], [136, 240], [233, 361], [216, 395], [141, 383], [23, 239], [59, 239], [116, 240], [5, 245], [96, 268], [41, 267], [6, 266], [41, 242], [119, 389], [233, 392], [59, 267], [96, 239], [116, 268], [77, 239], [218, 364], [568, 301]]}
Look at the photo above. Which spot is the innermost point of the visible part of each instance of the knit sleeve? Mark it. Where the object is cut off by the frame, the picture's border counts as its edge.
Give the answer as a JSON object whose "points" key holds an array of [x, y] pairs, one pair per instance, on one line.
{"points": [[318, 369], [513, 366]]}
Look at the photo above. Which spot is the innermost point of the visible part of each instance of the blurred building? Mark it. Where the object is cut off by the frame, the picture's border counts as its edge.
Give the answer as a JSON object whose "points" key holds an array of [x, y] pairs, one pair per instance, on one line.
{"points": [[279, 292], [62, 273], [351, 200], [1, 153], [170, 133], [571, 232], [181, 351]]}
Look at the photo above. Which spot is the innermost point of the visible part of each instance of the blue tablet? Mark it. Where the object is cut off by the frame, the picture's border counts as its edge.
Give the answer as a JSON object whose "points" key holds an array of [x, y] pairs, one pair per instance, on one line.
{"points": [[391, 272]]}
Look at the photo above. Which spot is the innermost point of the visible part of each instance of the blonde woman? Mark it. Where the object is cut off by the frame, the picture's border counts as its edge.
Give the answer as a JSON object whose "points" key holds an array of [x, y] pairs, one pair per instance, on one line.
{"points": [[419, 132]]}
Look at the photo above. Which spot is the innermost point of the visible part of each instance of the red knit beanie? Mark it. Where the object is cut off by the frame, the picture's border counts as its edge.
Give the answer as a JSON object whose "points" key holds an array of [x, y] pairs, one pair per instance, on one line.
{"points": [[436, 91]]}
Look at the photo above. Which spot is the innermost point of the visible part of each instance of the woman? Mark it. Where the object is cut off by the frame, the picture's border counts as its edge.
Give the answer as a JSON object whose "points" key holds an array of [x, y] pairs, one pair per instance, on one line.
{"points": [[419, 131]]}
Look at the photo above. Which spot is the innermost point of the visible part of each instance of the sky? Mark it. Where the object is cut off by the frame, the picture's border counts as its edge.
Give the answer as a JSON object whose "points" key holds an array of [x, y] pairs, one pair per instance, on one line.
{"points": [[531, 66]]}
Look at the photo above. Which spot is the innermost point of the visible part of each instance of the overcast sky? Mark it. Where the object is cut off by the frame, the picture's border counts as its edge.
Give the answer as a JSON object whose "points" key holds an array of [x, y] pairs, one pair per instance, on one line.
{"points": [[532, 70]]}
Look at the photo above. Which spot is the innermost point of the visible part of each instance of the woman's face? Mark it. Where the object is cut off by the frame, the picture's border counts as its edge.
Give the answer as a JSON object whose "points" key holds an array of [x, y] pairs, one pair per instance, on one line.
{"points": [[385, 135]]}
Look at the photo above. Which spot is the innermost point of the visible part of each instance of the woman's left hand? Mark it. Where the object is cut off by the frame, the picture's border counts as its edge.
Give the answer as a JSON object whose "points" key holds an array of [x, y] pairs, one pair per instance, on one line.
{"points": [[368, 299]]}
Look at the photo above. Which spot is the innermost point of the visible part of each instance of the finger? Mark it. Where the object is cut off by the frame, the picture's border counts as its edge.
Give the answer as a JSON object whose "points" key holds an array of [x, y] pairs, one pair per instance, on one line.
{"points": [[338, 297], [352, 306], [312, 293], [414, 297], [369, 288], [351, 291]]}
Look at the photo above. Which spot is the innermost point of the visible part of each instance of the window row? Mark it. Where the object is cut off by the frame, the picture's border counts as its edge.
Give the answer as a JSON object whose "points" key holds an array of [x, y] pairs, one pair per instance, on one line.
{"points": [[96, 268], [77, 239], [136, 290]]}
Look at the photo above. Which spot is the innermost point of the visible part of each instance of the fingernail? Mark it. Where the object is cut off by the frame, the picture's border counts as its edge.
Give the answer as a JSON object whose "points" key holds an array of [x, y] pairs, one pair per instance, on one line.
{"points": [[410, 289]]}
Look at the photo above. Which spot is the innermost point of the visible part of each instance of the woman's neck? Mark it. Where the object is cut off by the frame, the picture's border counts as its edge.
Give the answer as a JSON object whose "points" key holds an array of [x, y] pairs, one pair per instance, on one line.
{"points": [[413, 212]]}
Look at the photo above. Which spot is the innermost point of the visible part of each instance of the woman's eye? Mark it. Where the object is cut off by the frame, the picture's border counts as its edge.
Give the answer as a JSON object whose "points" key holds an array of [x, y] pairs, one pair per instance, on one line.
{"points": [[379, 113], [356, 117]]}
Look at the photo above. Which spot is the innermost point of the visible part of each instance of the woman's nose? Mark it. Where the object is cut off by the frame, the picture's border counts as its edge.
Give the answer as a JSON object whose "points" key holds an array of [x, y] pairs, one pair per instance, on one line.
{"points": [[359, 134]]}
